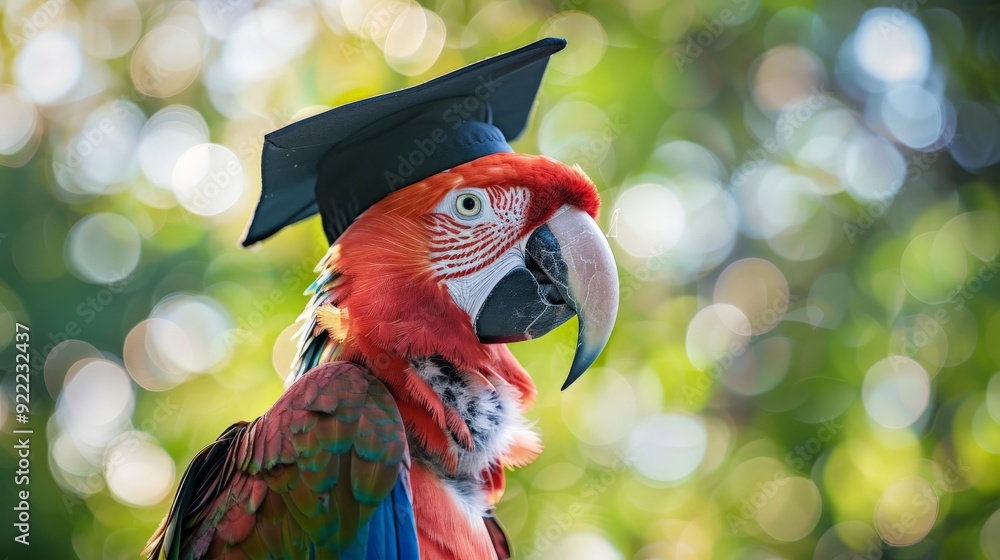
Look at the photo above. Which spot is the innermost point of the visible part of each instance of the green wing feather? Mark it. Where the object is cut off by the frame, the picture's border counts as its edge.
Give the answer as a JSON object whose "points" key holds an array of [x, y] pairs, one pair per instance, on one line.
{"points": [[304, 476]]}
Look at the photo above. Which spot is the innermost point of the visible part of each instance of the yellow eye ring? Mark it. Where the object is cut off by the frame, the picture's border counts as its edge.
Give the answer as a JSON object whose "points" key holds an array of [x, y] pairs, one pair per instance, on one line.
{"points": [[468, 205]]}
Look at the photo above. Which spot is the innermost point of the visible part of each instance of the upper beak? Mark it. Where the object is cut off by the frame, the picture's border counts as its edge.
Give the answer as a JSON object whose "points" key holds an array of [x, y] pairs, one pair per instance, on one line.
{"points": [[569, 269]]}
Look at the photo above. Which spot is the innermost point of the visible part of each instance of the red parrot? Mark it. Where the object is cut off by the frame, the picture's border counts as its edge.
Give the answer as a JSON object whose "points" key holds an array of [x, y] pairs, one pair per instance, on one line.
{"points": [[406, 405]]}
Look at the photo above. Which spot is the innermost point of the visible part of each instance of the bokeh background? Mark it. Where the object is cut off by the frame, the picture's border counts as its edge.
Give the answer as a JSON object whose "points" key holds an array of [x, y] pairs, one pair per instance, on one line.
{"points": [[802, 197]]}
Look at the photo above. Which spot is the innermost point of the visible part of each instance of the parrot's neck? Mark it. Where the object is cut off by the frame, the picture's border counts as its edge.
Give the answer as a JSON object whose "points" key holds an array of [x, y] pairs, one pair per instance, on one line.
{"points": [[490, 419], [463, 421]]}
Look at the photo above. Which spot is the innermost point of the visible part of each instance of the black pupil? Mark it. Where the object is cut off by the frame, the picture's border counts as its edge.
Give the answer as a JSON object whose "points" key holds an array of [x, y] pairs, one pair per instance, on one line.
{"points": [[469, 203]]}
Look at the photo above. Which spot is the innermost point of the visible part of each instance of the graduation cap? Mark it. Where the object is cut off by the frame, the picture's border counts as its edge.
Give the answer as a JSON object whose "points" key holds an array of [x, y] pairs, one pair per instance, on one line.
{"points": [[341, 162]]}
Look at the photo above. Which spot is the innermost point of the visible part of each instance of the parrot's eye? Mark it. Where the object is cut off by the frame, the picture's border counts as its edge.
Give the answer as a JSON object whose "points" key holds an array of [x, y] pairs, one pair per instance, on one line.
{"points": [[468, 205]]}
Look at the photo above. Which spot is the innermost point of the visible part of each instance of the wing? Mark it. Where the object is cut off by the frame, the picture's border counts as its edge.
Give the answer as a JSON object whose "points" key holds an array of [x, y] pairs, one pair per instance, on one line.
{"points": [[317, 476]]}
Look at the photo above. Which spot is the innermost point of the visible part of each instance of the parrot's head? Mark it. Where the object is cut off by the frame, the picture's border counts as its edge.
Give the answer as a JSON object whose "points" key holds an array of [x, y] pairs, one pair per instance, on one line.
{"points": [[503, 248]]}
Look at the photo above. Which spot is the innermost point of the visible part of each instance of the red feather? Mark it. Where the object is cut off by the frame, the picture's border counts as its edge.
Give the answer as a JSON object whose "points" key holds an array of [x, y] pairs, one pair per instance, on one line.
{"points": [[444, 530]]}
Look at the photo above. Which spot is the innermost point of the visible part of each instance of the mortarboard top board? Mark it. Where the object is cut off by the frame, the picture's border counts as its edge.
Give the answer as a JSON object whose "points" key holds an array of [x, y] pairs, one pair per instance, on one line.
{"points": [[341, 162]]}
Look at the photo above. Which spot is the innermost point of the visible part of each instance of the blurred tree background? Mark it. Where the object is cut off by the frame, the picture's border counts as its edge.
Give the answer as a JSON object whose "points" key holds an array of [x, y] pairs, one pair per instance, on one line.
{"points": [[802, 197]]}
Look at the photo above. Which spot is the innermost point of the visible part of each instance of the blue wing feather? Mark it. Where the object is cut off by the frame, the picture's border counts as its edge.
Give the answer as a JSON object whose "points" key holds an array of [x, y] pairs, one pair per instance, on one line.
{"points": [[391, 533]]}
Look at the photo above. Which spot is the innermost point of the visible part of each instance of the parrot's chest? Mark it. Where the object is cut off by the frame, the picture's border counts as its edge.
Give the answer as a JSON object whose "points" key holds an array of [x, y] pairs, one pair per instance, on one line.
{"points": [[491, 415]]}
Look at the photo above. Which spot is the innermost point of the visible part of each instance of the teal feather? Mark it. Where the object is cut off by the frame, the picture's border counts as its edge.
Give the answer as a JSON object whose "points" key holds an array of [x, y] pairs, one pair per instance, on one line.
{"points": [[276, 487]]}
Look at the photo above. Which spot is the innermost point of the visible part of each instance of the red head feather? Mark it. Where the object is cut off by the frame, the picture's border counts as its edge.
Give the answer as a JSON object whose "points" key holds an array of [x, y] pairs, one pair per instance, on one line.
{"points": [[390, 304]]}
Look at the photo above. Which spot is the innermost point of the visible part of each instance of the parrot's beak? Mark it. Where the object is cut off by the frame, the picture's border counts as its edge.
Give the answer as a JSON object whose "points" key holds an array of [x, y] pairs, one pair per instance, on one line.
{"points": [[568, 269]]}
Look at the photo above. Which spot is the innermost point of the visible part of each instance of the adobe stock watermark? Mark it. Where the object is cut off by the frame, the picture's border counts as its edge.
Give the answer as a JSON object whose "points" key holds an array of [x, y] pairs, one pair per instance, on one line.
{"points": [[560, 523], [424, 147], [762, 493], [90, 137], [696, 43], [223, 7], [86, 141], [870, 213], [893, 22], [377, 24], [34, 23], [921, 503], [218, 182], [788, 122], [250, 147], [762, 323], [594, 151]]}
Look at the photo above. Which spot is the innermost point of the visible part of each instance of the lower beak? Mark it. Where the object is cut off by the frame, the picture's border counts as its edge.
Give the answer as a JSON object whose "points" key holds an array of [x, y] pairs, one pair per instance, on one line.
{"points": [[569, 269]]}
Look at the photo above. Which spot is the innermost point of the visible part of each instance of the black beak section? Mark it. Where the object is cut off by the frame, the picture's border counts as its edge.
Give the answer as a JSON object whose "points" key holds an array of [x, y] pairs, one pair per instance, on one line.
{"points": [[526, 303], [568, 270]]}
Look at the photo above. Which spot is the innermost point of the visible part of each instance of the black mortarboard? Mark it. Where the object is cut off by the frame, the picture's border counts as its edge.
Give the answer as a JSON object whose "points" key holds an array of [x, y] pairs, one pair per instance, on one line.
{"points": [[342, 161]]}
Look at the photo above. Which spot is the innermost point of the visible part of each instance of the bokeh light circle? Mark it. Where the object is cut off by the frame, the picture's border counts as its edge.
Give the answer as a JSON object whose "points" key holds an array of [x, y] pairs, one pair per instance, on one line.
{"points": [[913, 115], [761, 370], [49, 66], [74, 471], [848, 540], [285, 350], [933, 267], [578, 133], [103, 248], [986, 429], [194, 335], [758, 289], [208, 179], [101, 157], [993, 396], [873, 169], [668, 447], [793, 510], [60, 360], [650, 220], [605, 413], [138, 472], [166, 61], [415, 41], [169, 133], [975, 144], [896, 391], [710, 231], [989, 536], [96, 402], [586, 41], [716, 336], [892, 46], [147, 367], [906, 511], [787, 74], [111, 27], [265, 40], [18, 120]]}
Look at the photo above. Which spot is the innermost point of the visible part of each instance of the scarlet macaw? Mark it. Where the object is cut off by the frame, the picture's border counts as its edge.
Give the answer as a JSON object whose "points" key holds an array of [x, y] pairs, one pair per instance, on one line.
{"points": [[406, 405]]}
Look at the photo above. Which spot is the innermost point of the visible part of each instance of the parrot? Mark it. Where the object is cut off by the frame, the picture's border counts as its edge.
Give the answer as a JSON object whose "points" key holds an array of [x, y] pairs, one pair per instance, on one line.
{"points": [[405, 406]]}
